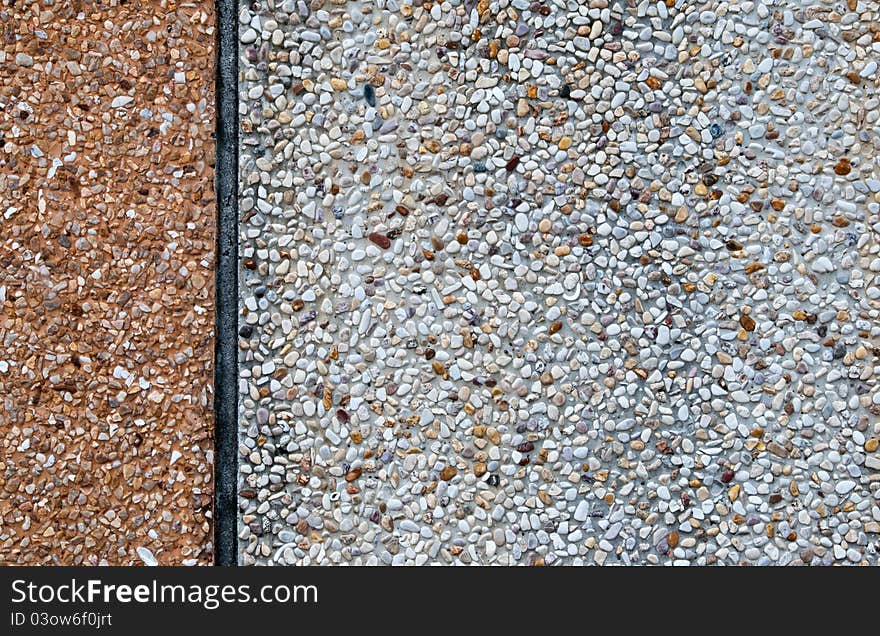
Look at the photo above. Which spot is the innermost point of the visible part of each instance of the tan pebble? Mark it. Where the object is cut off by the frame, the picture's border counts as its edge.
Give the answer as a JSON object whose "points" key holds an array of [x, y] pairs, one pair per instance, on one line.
{"points": [[782, 257], [493, 435], [777, 449]]}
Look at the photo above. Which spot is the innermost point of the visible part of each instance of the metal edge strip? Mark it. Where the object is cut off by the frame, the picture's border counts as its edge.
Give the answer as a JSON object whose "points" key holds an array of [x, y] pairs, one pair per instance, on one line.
{"points": [[226, 288]]}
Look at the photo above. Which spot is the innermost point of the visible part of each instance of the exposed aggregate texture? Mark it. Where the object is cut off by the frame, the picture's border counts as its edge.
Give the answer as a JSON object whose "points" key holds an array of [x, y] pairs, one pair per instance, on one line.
{"points": [[106, 282], [559, 282]]}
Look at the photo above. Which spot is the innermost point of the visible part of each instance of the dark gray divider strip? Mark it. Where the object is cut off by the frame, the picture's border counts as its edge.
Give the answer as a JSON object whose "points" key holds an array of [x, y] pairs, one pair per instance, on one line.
{"points": [[226, 295]]}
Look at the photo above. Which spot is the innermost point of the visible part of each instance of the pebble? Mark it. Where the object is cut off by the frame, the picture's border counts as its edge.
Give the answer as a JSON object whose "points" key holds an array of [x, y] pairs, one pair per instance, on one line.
{"points": [[147, 557]]}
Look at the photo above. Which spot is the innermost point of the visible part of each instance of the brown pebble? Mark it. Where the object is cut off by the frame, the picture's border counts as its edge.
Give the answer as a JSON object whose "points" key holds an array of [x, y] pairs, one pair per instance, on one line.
{"points": [[380, 239], [448, 473], [747, 322]]}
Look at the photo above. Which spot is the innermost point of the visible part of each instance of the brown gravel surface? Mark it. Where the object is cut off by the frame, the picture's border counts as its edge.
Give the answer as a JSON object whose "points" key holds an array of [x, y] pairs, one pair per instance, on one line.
{"points": [[106, 282]]}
